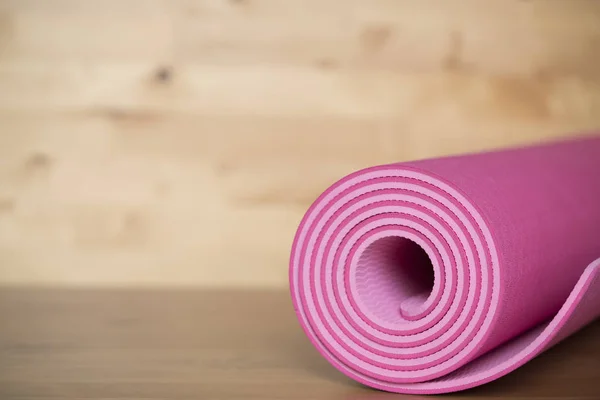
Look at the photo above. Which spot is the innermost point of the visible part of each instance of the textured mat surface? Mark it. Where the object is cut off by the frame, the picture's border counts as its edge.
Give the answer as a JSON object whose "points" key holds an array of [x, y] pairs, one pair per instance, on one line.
{"points": [[439, 275]]}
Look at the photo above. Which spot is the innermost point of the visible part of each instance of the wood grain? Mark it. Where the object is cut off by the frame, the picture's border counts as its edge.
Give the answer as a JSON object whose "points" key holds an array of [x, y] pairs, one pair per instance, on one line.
{"points": [[167, 344], [155, 142]]}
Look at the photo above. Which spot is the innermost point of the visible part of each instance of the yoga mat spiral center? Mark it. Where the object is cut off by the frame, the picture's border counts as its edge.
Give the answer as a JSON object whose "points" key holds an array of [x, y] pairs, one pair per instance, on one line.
{"points": [[394, 278]]}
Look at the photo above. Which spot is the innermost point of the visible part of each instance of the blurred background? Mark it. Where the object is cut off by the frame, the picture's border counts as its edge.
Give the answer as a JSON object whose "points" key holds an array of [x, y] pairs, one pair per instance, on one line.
{"points": [[178, 143]]}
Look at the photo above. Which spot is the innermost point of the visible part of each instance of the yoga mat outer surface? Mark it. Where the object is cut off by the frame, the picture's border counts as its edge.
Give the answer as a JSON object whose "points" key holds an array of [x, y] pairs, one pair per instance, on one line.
{"points": [[513, 238]]}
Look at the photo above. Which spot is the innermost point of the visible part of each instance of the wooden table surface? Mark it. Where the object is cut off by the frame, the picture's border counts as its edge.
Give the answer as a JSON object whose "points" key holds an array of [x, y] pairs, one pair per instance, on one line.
{"points": [[187, 344]]}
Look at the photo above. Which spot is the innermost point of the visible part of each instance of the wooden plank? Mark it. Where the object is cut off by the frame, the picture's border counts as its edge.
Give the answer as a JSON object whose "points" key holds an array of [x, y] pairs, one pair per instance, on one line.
{"points": [[159, 199], [282, 91], [163, 344], [56, 37], [179, 142], [495, 37], [130, 8], [133, 199]]}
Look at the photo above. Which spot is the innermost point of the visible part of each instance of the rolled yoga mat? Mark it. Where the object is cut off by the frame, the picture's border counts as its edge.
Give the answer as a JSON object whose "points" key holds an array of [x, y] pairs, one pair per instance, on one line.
{"points": [[440, 275]]}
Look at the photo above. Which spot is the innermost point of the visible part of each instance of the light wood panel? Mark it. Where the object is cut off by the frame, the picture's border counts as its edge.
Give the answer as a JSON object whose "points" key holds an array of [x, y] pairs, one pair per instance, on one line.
{"points": [[149, 142]]}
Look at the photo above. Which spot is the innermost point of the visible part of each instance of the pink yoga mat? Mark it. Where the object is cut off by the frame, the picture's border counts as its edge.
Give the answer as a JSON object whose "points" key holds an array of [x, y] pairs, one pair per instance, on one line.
{"points": [[440, 275]]}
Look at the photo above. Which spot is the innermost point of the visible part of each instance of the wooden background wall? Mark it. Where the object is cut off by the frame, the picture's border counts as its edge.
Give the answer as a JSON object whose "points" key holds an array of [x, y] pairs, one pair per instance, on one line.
{"points": [[179, 142]]}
